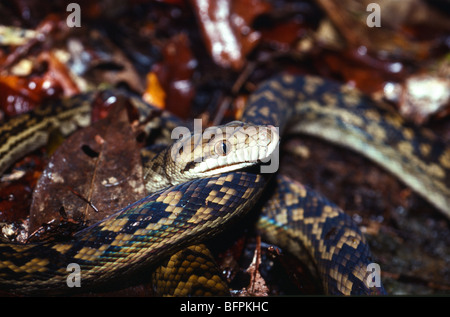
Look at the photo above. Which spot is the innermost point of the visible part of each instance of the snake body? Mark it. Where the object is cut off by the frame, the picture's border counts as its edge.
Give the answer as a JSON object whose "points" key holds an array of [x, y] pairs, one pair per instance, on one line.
{"points": [[170, 219]]}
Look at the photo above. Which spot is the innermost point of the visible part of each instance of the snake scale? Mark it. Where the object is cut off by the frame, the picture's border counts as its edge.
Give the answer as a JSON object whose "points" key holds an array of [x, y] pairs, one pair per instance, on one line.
{"points": [[295, 217]]}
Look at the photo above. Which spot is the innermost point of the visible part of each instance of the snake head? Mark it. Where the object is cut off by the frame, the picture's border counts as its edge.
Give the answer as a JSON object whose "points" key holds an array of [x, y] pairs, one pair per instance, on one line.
{"points": [[224, 148]]}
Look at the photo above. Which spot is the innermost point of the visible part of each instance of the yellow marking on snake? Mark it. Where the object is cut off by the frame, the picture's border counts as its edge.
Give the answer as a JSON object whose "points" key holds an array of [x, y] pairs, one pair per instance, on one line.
{"points": [[445, 159], [167, 221], [62, 248]]}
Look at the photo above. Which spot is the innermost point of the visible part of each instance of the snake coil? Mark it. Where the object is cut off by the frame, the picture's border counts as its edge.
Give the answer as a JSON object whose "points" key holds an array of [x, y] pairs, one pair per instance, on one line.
{"points": [[171, 219]]}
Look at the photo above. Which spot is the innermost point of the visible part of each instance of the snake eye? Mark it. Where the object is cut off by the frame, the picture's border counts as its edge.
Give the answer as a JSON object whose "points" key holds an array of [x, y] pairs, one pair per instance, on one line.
{"points": [[222, 148]]}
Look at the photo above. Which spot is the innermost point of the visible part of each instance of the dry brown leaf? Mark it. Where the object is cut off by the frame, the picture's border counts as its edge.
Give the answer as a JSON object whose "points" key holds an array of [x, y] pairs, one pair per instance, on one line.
{"points": [[257, 285], [100, 165], [107, 54], [390, 39]]}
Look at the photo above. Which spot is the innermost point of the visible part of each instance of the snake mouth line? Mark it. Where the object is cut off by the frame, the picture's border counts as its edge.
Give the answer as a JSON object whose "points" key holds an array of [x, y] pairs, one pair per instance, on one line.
{"points": [[231, 167]]}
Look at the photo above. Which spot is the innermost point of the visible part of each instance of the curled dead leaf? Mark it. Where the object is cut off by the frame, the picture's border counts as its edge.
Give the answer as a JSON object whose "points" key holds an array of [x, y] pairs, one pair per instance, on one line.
{"points": [[257, 285]]}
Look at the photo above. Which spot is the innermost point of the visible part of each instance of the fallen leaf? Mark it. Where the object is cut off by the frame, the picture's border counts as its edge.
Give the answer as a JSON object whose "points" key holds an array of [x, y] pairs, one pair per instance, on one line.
{"points": [[154, 94], [257, 285], [174, 73], [226, 29], [51, 23], [96, 172], [19, 95], [390, 39], [108, 63], [423, 96], [284, 35], [59, 72]]}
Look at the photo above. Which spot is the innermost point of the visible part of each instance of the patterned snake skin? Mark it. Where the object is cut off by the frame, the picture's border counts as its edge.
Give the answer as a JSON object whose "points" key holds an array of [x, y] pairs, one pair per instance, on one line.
{"points": [[149, 231]]}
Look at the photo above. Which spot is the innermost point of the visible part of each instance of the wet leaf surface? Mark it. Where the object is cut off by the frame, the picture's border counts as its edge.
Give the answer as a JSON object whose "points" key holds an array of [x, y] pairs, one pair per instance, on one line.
{"points": [[174, 74], [226, 28]]}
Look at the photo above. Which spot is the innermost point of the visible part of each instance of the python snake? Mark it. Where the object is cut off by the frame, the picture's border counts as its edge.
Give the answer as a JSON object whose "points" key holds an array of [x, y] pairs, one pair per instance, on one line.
{"points": [[151, 229]]}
